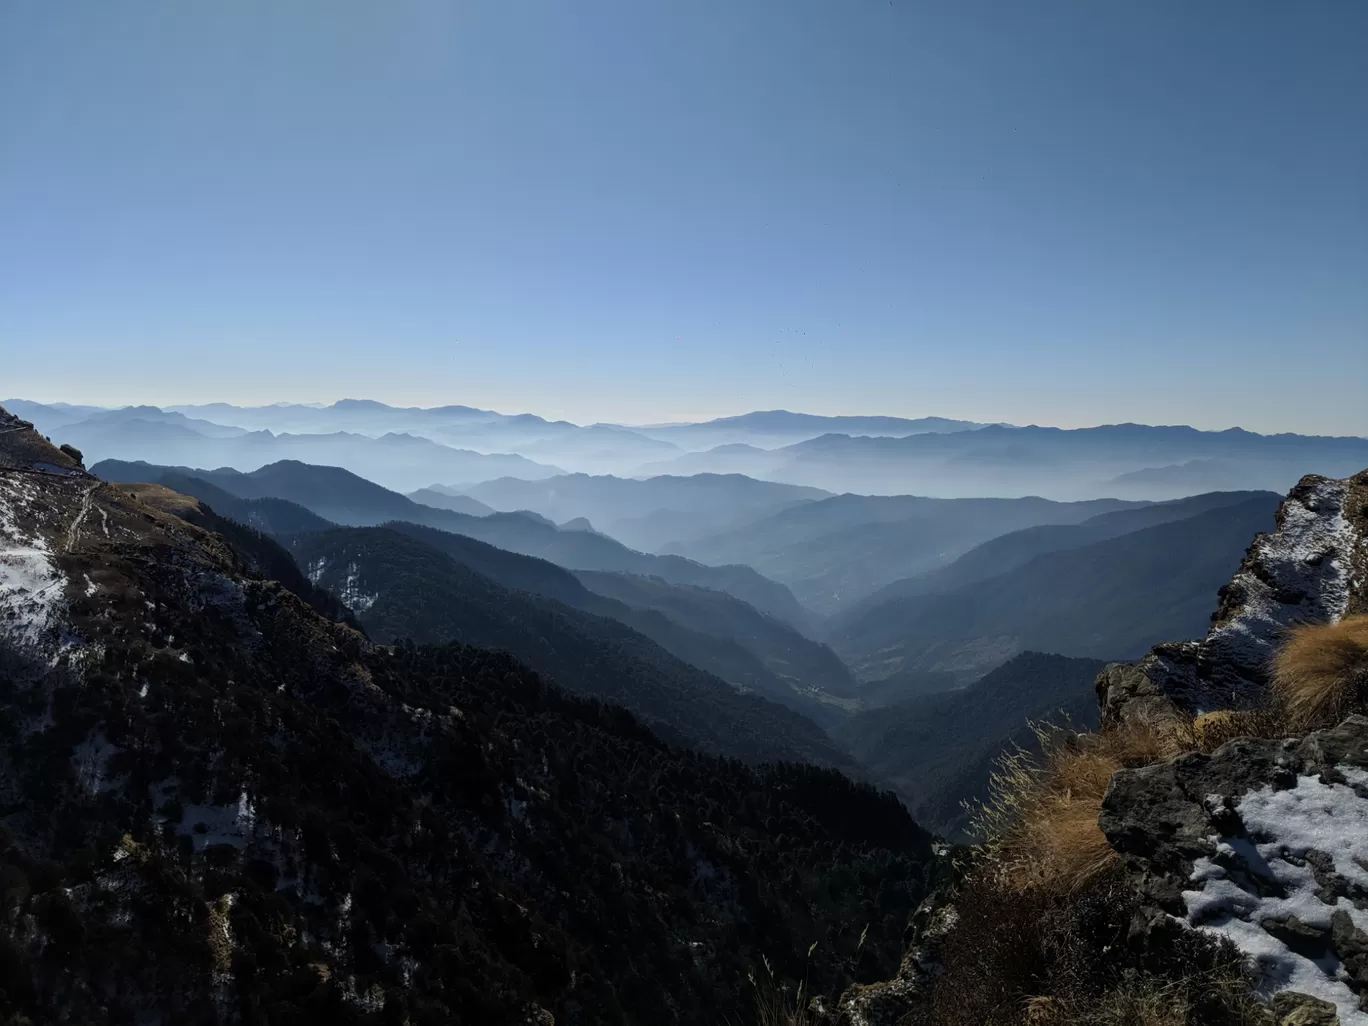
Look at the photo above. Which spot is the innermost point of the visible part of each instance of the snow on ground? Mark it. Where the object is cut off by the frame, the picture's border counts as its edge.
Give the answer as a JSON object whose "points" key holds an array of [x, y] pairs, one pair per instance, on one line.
{"points": [[349, 591], [31, 585], [356, 600], [1306, 560], [1282, 827]]}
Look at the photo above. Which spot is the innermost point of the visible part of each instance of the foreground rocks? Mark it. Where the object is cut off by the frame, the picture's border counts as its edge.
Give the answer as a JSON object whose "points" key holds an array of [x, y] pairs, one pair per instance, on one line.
{"points": [[1263, 843]]}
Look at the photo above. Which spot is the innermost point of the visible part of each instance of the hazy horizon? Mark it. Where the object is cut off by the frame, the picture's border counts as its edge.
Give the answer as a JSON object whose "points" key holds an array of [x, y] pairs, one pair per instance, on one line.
{"points": [[1059, 214], [664, 422]]}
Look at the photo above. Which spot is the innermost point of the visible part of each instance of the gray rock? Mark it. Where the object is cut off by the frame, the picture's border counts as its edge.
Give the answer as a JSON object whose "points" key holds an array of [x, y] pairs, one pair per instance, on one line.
{"points": [[1312, 568], [1293, 1009]]}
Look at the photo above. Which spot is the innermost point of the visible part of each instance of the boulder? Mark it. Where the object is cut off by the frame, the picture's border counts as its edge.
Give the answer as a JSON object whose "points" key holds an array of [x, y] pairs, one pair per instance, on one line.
{"points": [[1260, 843]]}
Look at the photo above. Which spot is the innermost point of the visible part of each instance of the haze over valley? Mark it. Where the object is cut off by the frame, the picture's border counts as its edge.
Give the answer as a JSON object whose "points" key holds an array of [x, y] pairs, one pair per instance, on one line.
{"points": [[812, 608]]}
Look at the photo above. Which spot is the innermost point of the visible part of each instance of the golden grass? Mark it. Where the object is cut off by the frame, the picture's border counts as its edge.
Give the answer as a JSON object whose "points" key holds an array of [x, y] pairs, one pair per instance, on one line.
{"points": [[1043, 811], [1213, 729], [162, 498], [1320, 674]]}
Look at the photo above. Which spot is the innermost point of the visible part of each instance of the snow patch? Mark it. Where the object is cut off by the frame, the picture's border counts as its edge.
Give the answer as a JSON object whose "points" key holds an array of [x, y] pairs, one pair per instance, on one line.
{"points": [[351, 594], [1282, 826], [31, 585]]}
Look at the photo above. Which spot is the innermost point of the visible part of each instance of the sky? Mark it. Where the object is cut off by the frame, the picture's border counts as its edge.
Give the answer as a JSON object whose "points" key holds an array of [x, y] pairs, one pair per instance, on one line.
{"points": [[646, 210]]}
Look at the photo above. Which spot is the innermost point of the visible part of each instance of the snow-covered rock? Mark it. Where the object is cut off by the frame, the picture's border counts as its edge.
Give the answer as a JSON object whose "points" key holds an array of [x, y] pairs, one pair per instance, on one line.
{"points": [[31, 584], [1312, 569]]}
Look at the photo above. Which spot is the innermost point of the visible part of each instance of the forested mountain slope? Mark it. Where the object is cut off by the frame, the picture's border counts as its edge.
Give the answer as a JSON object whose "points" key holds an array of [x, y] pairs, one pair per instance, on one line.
{"points": [[1008, 551], [836, 551], [938, 751], [711, 630], [1111, 599], [400, 587], [810, 665]]}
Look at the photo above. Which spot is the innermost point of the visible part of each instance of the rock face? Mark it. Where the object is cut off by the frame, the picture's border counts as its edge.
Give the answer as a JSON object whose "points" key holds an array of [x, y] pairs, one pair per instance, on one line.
{"points": [[1313, 568], [1262, 843]]}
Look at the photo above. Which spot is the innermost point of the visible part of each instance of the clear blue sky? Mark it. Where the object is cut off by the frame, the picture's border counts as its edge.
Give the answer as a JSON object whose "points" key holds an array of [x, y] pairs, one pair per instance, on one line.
{"points": [[1052, 212]]}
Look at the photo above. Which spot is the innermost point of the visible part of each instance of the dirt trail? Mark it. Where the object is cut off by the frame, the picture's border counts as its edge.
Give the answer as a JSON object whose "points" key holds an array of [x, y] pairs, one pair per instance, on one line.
{"points": [[74, 531]]}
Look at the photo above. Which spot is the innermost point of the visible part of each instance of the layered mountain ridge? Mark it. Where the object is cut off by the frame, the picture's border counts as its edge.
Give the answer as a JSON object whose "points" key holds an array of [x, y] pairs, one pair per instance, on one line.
{"points": [[412, 447], [220, 805]]}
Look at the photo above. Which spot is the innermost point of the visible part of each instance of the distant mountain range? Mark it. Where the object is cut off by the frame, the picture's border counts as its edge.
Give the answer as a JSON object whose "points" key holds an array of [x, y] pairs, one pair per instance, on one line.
{"points": [[408, 448], [773, 428], [401, 460], [1008, 551], [647, 513], [1123, 460], [1067, 464], [441, 498], [837, 551], [1107, 599], [344, 498]]}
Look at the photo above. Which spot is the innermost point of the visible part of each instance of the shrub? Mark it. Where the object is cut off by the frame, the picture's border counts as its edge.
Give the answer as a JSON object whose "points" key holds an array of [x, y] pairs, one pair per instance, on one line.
{"points": [[1320, 674]]}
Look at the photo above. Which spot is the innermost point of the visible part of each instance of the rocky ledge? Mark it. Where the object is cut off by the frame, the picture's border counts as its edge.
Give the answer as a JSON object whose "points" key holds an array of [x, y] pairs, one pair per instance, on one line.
{"points": [[1261, 843], [1312, 568]]}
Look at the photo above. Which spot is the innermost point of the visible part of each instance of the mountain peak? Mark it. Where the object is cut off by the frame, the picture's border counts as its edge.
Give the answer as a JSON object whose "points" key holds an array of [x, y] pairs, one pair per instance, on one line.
{"points": [[360, 405]]}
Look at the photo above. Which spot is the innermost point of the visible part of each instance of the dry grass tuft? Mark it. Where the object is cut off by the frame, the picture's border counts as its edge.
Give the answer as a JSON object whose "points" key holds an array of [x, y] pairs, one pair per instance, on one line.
{"points": [[776, 1005], [1320, 673], [1043, 809], [1213, 729]]}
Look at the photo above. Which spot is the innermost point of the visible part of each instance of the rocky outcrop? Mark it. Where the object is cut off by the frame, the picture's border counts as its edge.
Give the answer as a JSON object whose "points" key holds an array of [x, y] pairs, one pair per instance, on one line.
{"points": [[1263, 844], [887, 1003], [1312, 568]]}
